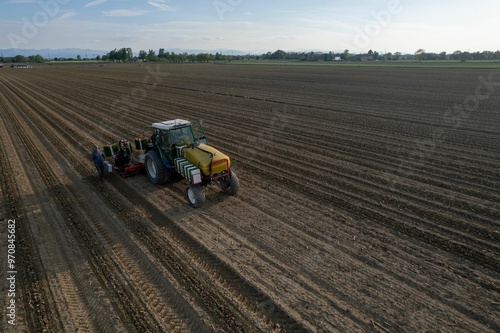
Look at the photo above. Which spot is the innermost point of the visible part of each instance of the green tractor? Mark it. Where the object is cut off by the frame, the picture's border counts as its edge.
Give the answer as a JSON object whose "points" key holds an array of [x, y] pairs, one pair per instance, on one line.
{"points": [[180, 147]]}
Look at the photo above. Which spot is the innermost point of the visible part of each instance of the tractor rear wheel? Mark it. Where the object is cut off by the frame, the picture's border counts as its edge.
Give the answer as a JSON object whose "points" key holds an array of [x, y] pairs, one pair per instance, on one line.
{"points": [[156, 171], [195, 196], [231, 185]]}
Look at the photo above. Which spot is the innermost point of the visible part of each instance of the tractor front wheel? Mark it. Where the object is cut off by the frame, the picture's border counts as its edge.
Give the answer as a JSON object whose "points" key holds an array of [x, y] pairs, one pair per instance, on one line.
{"points": [[231, 185], [195, 196], [156, 171]]}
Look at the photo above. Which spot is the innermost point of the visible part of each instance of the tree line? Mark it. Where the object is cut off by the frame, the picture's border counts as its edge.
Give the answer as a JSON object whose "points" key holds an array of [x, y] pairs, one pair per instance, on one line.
{"points": [[38, 59], [151, 55], [126, 55], [374, 55]]}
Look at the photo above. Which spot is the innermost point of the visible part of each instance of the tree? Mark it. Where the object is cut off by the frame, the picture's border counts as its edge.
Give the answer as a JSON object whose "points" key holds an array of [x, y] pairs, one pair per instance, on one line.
{"points": [[125, 54], [78, 57], [151, 56], [19, 58], [203, 57], [464, 56], [142, 55], [278, 54], [456, 55], [420, 54], [39, 59], [345, 55]]}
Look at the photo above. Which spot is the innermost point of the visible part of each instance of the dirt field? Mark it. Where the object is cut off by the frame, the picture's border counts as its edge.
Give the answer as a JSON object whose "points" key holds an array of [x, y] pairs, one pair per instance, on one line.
{"points": [[369, 201]]}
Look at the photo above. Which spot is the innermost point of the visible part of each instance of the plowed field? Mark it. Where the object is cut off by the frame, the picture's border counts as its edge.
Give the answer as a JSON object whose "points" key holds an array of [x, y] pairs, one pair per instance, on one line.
{"points": [[369, 201]]}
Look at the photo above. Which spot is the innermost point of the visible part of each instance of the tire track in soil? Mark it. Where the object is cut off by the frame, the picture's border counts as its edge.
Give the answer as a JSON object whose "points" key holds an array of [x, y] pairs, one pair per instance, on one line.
{"points": [[161, 298], [373, 211], [67, 275], [238, 286], [138, 270], [251, 297], [36, 310], [370, 266], [266, 257], [124, 301], [274, 248], [84, 166]]}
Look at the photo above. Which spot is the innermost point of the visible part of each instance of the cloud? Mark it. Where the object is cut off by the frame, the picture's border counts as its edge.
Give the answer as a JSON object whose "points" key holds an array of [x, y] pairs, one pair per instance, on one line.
{"points": [[124, 13], [161, 4], [95, 3], [66, 16]]}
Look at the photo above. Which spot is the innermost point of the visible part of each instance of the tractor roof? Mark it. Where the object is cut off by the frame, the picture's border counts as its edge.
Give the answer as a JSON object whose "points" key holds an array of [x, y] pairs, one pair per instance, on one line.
{"points": [[171, 124]]}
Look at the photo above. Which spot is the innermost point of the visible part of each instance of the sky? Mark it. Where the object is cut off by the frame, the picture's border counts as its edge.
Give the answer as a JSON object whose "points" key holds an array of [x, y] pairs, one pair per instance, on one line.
{"points": [[253, 26]]}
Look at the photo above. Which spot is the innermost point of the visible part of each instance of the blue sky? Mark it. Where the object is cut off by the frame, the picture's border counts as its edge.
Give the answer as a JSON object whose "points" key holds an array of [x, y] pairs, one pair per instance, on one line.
{"points": [[252, 26]]}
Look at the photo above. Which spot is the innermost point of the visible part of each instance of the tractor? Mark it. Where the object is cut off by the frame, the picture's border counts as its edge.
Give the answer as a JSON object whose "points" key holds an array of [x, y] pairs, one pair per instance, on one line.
{"points": [[180, 147]]}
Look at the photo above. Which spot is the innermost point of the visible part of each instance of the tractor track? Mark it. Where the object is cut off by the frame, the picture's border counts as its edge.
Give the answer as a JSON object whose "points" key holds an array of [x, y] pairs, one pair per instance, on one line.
{"points": [[104, 269], [370, 265], [135, 273], [134, 263], [227, 315], [34, 298], [245, 292]]}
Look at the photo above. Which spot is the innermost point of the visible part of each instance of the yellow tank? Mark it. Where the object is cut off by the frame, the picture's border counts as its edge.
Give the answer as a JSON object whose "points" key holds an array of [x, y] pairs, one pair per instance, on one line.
{"points": [[201, 156]]}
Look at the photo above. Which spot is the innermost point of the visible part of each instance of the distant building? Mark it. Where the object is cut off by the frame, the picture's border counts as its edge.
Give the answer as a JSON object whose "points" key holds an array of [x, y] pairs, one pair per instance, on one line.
{"points": [[20, 66], [362, 57]]}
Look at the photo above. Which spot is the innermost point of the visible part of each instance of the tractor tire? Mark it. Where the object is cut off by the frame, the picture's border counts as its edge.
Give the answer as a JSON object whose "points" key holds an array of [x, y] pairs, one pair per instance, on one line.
{"points": [[156, 171], [195, 196], [230, 186]]}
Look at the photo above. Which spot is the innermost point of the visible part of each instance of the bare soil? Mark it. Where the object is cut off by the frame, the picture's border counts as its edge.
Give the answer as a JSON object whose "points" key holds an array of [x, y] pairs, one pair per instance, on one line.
{"points": [[369, 200]]}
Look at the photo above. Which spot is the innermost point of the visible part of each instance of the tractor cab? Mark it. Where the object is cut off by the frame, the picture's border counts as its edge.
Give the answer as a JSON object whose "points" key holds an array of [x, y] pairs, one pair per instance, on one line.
{"points": [[174, 135]]}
